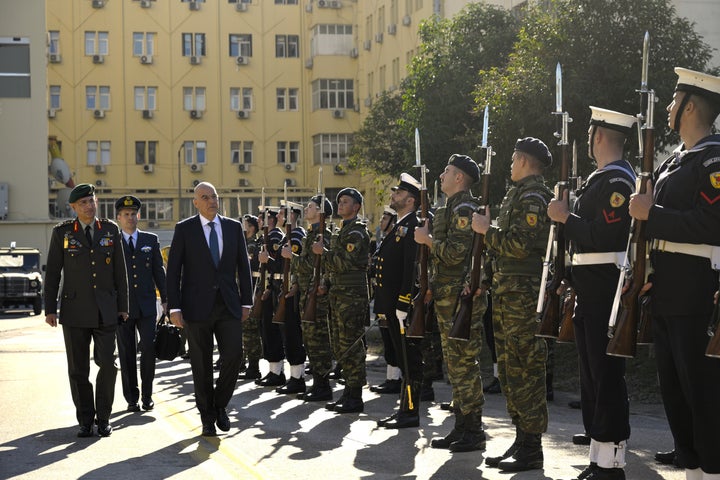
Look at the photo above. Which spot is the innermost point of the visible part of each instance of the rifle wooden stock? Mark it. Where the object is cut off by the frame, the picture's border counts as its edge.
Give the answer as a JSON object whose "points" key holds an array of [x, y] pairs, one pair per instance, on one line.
{"points": [[279, 316], [310, 311], [713, 348], [256, 311], [418, 315], [645, 336], [566, 334]]}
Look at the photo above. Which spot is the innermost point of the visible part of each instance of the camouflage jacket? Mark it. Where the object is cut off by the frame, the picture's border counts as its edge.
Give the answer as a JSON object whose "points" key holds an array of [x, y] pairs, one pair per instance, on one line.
{"points": [[346, 262], [452, 238]]}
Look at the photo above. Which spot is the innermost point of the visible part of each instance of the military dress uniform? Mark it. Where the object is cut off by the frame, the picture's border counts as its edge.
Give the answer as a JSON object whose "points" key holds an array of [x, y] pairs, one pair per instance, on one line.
{"points": [[94, 291], [252, 342]]}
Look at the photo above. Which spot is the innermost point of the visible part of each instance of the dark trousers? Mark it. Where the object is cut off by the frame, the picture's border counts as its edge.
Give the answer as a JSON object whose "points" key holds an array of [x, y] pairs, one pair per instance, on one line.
{"points": [[690, 387], [77, 349], [603, 393], [270, 333], [413, 372], [292, 333], [127, 352], [227, 330], [389, 352]]}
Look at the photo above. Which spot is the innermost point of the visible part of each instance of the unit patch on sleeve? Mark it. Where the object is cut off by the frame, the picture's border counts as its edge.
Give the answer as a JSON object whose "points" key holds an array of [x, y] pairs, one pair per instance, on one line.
{"points": [[715, 179], [616, 200], [531, 219], [463, 222]]}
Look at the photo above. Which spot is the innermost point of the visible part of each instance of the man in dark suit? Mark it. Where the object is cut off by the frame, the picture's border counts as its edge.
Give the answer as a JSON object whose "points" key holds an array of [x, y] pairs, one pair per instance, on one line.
{"points": [[144, 265], [210, 293], [86, 252]]}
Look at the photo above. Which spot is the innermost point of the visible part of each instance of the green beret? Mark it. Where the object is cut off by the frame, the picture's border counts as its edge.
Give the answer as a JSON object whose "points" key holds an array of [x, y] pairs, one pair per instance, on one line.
{"points": [[81, 191], [128, 201]]}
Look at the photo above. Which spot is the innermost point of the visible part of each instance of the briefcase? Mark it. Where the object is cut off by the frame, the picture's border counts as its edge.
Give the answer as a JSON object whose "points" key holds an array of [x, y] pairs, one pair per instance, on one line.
{"points": [[167, 340]]}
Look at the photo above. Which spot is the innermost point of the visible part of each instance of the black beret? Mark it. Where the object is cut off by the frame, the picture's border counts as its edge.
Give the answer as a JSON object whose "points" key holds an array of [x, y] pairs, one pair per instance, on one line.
{"points": [[81, 191], [328, 204], [128, 201], [352, 193], [252, 220], [466, 164], [536, 148]]}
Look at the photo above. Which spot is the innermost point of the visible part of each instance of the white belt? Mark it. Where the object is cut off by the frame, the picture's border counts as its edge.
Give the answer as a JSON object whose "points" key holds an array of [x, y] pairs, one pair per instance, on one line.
{"points": [[598, 258], [710, 252], [256, 274], [277, 276]]}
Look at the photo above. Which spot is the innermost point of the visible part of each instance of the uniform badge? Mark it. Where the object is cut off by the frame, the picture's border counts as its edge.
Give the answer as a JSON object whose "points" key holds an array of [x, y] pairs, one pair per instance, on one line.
{"points": [[295, 248], [107, 260], [715, 179], [275, 247], [616, 200], [531, 219], [146, 249], [397, 238], [350, 247], [463, 222]]}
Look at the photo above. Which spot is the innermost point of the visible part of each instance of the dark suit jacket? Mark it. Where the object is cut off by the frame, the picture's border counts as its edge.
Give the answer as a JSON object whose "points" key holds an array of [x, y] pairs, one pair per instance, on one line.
{"points": [[193, 281], [145, 272], [94, 278], [395, 267]]}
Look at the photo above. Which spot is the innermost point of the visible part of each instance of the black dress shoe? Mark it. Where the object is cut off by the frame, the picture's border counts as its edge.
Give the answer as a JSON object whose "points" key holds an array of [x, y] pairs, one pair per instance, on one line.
{"points": [[148, 404], [493, 387], [208, 430], [349, 405], [85, 431], [185, 356], [388, 386], [250, 373], [133, 407], [575, 404], [447, 406], [271, 380], [606, 474], [667, 458], [383, 421], [104, 428], [294, 385], [223, 422], [404, 420], [581, 439]]}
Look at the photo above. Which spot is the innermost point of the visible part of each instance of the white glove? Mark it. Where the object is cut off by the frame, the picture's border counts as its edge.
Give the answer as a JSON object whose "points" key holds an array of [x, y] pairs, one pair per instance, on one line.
{"points": [[401, 315]]}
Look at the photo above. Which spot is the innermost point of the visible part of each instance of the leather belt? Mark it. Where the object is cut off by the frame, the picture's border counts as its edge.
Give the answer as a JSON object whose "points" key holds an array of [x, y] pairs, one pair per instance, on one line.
{"points": [[711, 252], [598, 258]]}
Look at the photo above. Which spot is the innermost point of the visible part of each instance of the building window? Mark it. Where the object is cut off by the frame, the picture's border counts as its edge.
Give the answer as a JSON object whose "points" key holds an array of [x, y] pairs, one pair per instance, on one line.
{"points": [[240, 45], [286, 2], [241, 99], [370, 83], [195, 152], [143, 44], [98, 152], [96, 43], [55, 97], [287, 46], [194, 98], [393, 11], [287, 99], [157, 209], [241, 152], [333, 93], [145, 98], [331, 148], [381, 74], [145, 152], [395, 73], [191, 1], [193, 44], [97, 97], [332, 39], [239, 1], [53, 42], [288, 152]]}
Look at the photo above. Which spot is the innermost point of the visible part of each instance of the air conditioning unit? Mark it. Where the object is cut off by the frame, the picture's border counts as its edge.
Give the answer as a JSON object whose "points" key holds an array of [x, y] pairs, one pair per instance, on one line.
{"points": [[335, 4], [309, 63], [243, 182], [194, 6], [195, 183], [153, 224], [406, 20], [100, 169], [98, 59], [291, 182], [243, 114], [368, 101], [242, 60], [195, 168], [323, 4], [241, 7], [308, 8], [148, 168], [55, 58], [339, 170], [146, 60], [98, 3], [290, 167], [100, 183], [195, 114], [51, 113], [367, 44], [337, 113], [244, 167], [147, 114], [356, 107], [195, 60], [145, 3], [353, 53], [379, 37], [392, 29], [99, 113]]}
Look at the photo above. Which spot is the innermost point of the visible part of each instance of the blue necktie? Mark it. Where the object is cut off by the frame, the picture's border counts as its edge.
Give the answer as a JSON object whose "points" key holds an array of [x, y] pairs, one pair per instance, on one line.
{"points": [[214, 244]]}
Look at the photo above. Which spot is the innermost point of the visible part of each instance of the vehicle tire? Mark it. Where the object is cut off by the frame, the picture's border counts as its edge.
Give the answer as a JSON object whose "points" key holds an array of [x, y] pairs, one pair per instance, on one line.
{"points": [[37, 306]]}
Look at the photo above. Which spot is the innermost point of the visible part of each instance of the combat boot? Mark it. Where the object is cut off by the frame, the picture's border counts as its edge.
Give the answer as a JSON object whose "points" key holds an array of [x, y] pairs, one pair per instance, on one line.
{"points": [[351, 402], [252, 372], [294, 385], [455, 434], [528, 457], [473, 438], [494, 461], [319, 391]]}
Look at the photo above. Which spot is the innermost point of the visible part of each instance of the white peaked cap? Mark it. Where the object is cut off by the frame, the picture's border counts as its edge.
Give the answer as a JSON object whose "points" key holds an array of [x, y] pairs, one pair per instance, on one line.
{"points": [[612, 120]]}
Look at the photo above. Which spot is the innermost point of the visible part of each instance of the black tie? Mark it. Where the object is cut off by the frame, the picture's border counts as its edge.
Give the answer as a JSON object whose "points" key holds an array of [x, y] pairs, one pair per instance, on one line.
{"points": [[130, 244], [214, 244], [88, 235]]}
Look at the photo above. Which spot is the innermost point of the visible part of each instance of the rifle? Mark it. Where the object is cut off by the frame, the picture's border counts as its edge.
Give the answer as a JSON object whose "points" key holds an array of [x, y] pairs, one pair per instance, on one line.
{"points": [[310, 311], [280, 311], [462, 319], [566, 333], [256, 311], [416, 329], [713, 348], [626, 311], [549, 301]]}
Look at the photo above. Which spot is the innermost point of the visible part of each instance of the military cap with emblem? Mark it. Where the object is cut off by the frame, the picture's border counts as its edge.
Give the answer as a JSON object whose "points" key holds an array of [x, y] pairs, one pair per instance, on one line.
{"points": [[252, 220], [465, 164], [389, 211], [81, 191], [620, 122], [128, 201], [328, 204], [408, 183], [536, 148], [352, 193], [696, 83]]}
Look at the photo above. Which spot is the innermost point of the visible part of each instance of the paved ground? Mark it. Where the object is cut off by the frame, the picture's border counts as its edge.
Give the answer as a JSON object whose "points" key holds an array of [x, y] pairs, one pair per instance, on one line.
{"points": [[273, 437]]}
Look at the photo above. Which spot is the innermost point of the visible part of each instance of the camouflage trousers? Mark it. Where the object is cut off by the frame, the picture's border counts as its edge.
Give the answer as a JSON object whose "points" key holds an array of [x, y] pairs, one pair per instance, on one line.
{"points": [[350, 313], [252, 343], [521, 355], [461, 356], [316, 336]]}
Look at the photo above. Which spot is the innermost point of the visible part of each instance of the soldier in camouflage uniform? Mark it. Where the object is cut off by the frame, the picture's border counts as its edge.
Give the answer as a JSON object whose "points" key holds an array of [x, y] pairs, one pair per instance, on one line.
{"points": [[517, 245], [316, 333], [252, 343], [346, 267], [450, 255]]}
